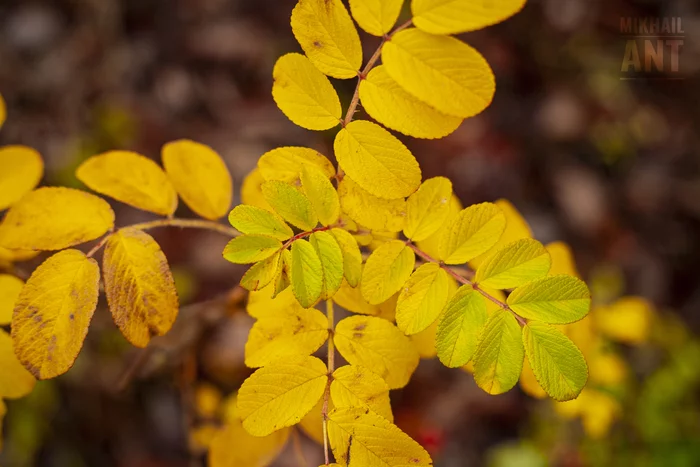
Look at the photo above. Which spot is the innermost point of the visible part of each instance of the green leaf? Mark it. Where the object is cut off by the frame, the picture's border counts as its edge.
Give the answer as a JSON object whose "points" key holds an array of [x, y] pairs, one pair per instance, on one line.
{"points": [[307, 273], [248, 249], [254, 220], [471, 232], [428, 208], [331, 257], [560, 299], [460, 326], [290, 203], [498, 359], [514, 265], [422, 298], [321, 193], [386, 271], [558, 364], [352, 257]]}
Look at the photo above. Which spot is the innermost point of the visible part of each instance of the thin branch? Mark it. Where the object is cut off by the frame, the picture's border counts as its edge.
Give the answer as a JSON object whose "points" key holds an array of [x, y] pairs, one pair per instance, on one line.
{"points": [[331, 368], [188, 224], [305, 234]]}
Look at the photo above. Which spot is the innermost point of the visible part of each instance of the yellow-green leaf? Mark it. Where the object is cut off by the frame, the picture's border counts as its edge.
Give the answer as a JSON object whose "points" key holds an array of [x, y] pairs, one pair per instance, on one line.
{"points": [[392, 106], [307, 273], [53, 312], [130, 178], [251, 191], [459, 328], [15, 380], [304, 94], [139, 286], [422, 298], [284, 164], [471, 232], [10, 287], [200, 176], [558, 364], [378, 345], [352, 257], [262, 273], [498, 359], [514, 265], [284, 275], [331, 257], [441, 71], [321, 193], [516, 228], [557, 299], [357, 386], [21, 169], [376, 160], [376, 17], [386, 271], [290, 203], [233, 446], [248, 249], [281, 394], [254, 220], [428, 208], [361, 438], [458, 16], [55, 218], [296, 333], [327, 34], [370, 211]]}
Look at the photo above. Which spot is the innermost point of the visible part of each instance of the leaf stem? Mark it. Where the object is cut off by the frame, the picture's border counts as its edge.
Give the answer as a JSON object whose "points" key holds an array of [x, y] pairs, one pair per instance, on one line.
{"points": [[305, 234], [331, 368]]}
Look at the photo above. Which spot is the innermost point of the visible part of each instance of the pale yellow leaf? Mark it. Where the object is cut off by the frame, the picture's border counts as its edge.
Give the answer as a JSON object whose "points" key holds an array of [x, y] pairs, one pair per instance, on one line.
{"points": [[281, 394], [352, 300], [441, 71], [431, 245], [320, 191], [386, 271], [424, 341], [460, 326], [200, 176], [327, 34], [304, 94], [10, 287], [262, 273], [8, 257], [306, 273], [516, 229], [378, 345], [376, 160], [370, 211], [357, 386], [233, 446], [284, 164], [562, 259], [629, 319], [248, 249], [514, 265], [254, 220], [498, 360], [422, 298], [251, 191], [15, 380], [427, 208], [53, 313], [55, 218], [130, 178], [290, 203], [331, 257], [471, 232], [458, 16], [352, 257], [262, 304], [376, 17], [21, 169]]}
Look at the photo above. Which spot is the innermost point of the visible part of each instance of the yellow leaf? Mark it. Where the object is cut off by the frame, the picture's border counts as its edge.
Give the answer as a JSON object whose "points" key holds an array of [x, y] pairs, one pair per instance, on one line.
{"points": [[290, 203], [55, 218], [53, 313], [251, 191], [139, 286], [424, 341], [607, 368], [262, 304], [357, 386], [262, 273], [254, 220], [200, 177], [331, 257], [629, 320], [325, 31], [529, 384], [458, 16], [284, 164], [21, 169], [498, 360], [441, 71], [304, 94], [248, 249], [361, 438], [352, 300], [514, 265], [422, 298], [516, 228], [376, 160], [298, 332], [15, 380], [370, 211], [307, 273], [3, 111], [562, 259], [389, 104], [130, 178], [378, 345], [281, 394], [10, 287], [597, 410], [386, 271], [207, 400], [460, 326], [558, 299], [376, 17], [284, 277], [321, 193], [312, 424], [471, 232], [233, 446], [428, 208], [352, 257], [431, 245], [13, 256]]}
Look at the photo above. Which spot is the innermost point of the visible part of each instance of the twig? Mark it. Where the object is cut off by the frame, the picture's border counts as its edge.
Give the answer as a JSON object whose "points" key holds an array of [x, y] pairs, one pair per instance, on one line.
{"points": [[331, 368]]}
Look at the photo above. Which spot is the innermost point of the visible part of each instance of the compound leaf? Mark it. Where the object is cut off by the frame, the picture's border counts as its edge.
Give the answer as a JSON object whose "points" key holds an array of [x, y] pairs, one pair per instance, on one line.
{"points": [[460, 326], [10, 287], [370, 211], [321, 193], [498, 359], [514, 265], [254, 220], [21, 169], [458, 16], [386, 271], [306, 273], [357, 386], [290, 203], [352, 257], [428, 208], [284, 164], [248, 249], [422, 298], [331, 257], [471, 232], [559, 299], [15, 380], [376, 17]]}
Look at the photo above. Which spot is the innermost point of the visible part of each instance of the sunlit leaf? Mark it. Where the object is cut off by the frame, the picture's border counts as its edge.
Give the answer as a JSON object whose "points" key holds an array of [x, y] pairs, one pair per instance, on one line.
{"points": [[498, 360], [284, 164], [428, 208], [376, 17], [386, 271], [352, 257], [248, 249], [471, 232], [357, 386], [557, 299], [321, 193], [307, 273], [457, 16], [514, 265], [422, 298], [370, 211]]}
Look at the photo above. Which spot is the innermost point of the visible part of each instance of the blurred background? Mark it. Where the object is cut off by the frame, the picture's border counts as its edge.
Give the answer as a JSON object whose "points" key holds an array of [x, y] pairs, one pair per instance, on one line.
{"points": [[607, 165]]}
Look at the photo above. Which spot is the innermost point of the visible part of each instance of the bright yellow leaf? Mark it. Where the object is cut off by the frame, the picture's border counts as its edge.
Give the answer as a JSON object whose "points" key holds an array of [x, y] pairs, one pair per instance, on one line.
{"points": [[15, 380], [431, 245], [248, 249], [562, 259], [460, 326], [357, 386], [321, 193], [376, 17], [424, 341], [376, 160], [262, 273], [352, 300], [304, 94], [233, 446], [441, 71], [629, 319], [529, 384], [352, 257], [284, 164], [10, 287], [458, 16], [312, 423], [52, 218], [516, 228], [331, 257], [130, 178], [262, 304], [422, 298], [290, 203], [427, 208], [558, 299], [378, 345], [8, 257], [514, 265], [306, 274], [471, 232], [281, 394], [386, 271], [53, 313], [370, 211], [498, 360], [254, 220], [21, 169], [200, 176], [251, 191], [327, 34]]}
